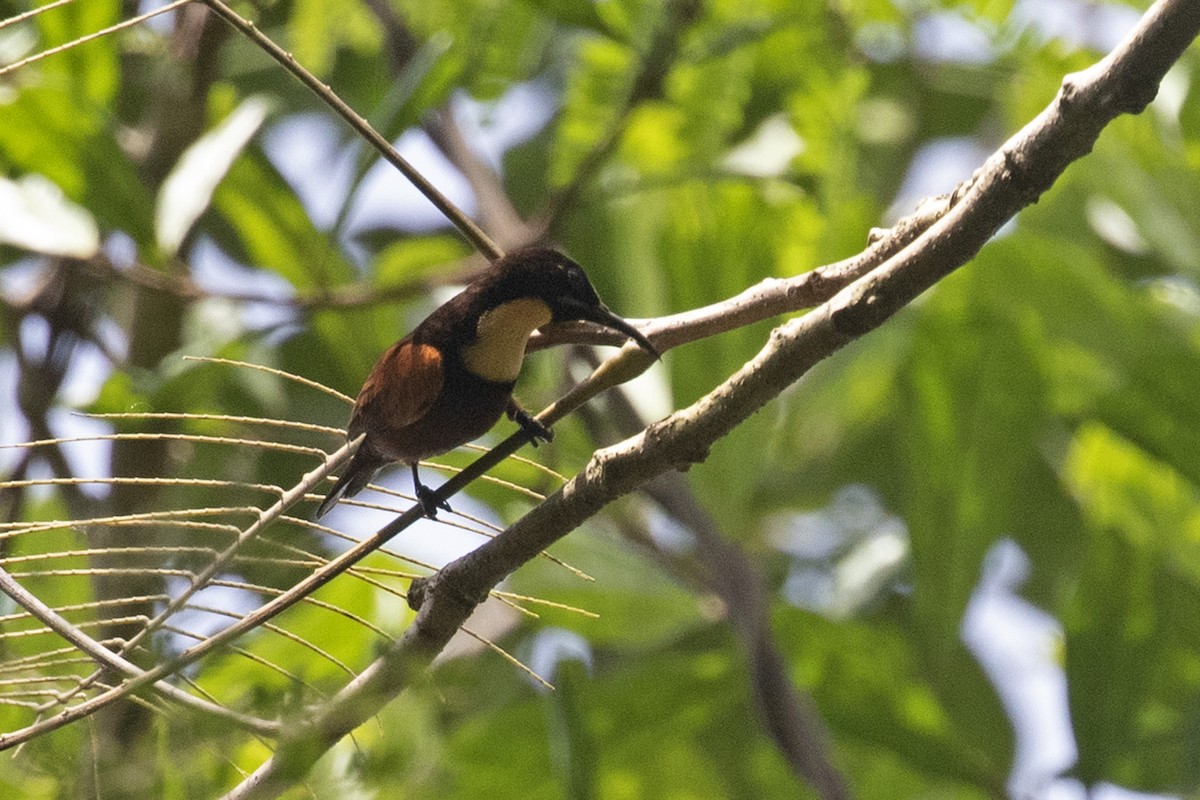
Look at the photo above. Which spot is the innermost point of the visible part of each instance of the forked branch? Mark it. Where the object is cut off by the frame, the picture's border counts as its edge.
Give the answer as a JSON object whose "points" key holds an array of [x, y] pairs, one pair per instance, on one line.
{"points": [[1011, 179]]}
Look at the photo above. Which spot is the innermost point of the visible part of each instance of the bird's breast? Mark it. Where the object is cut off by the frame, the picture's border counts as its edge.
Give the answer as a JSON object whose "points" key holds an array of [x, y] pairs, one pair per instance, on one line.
{"points": [[501, 335]]}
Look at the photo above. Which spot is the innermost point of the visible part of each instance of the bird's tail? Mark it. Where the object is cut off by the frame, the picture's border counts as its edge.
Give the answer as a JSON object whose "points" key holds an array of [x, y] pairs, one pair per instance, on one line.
{"points": [[356, 476]]}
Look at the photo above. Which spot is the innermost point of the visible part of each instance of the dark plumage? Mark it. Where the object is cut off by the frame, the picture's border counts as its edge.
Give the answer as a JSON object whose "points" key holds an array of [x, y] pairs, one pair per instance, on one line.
{"points": [[449, 381]]}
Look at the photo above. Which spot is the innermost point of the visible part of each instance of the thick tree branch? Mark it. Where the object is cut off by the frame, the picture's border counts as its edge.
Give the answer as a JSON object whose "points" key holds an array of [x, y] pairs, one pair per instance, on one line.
{"points": [[1123, 82], [766, 299]]}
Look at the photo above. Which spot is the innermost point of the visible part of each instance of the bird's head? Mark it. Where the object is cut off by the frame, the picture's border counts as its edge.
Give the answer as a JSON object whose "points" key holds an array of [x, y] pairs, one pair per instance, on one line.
{"points": [[549, 276]]}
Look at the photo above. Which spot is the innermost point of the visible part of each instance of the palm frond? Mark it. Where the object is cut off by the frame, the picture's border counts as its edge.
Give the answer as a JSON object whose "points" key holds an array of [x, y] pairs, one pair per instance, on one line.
{"points": [[225, 572]]}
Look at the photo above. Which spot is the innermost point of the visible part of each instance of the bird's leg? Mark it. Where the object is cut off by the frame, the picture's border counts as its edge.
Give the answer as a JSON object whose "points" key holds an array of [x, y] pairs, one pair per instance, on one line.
{"points": [[426, 497], [529, 423]]}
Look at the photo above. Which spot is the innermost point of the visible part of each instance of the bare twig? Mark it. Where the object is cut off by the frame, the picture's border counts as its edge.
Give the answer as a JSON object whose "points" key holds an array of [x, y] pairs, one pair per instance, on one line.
{"points": [[472, 232], [53, 51], [311, 384], [769, 298], [33, 12]]}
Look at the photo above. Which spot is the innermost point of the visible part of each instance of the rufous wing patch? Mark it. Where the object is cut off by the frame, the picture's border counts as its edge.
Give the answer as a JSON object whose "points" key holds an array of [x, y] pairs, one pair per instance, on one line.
{"points": [[404, 383]]}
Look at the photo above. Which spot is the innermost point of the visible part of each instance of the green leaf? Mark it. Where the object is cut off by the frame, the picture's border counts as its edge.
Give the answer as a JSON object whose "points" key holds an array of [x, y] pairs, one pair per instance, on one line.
{"points": [[596, 87], [272, 230], [317, 30], [574, 13], [1131, 622], [90, 70], [869, 680]]}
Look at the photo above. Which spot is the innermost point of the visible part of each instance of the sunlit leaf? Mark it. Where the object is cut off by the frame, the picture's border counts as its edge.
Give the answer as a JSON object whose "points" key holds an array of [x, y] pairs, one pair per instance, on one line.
{"points": [[35, 216], [187, 191]]}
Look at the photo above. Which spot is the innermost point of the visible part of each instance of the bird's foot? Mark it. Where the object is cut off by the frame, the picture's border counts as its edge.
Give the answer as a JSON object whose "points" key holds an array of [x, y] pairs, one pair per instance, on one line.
{"points": [[430, 503], [532, 427]]}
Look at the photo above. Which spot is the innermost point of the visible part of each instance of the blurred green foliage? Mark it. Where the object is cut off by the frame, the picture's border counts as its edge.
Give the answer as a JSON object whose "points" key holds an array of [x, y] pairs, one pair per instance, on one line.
{"points": [[1046, 394]]}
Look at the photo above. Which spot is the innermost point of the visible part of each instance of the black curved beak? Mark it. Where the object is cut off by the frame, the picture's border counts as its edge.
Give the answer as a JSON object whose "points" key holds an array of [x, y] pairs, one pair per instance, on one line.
{"points": [[602, 316]]}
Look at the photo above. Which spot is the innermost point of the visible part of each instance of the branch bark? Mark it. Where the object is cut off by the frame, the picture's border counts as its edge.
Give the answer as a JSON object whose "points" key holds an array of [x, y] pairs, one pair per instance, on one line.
{"points": [[1014, 177]]}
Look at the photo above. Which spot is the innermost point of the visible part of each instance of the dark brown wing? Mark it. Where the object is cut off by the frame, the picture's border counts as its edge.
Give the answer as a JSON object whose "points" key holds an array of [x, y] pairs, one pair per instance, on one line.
{"points": [[404, 383], [402, 386]]}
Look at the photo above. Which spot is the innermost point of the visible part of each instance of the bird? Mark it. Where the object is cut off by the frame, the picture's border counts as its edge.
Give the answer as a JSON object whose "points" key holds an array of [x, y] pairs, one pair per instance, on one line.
{"points": [[450, 380]]}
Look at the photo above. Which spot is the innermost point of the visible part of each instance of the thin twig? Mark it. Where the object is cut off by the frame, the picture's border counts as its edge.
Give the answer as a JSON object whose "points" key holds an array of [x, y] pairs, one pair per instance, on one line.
{"points": [[129, 23], [307, 427], [472, 232], [311, 384], [33, 12], [195, 438], [766, 299], [507, 656]]}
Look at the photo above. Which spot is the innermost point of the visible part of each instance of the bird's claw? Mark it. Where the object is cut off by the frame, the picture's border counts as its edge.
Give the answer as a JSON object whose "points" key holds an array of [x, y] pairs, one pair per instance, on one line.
{"points": [[533, 427], [430, 503]]}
